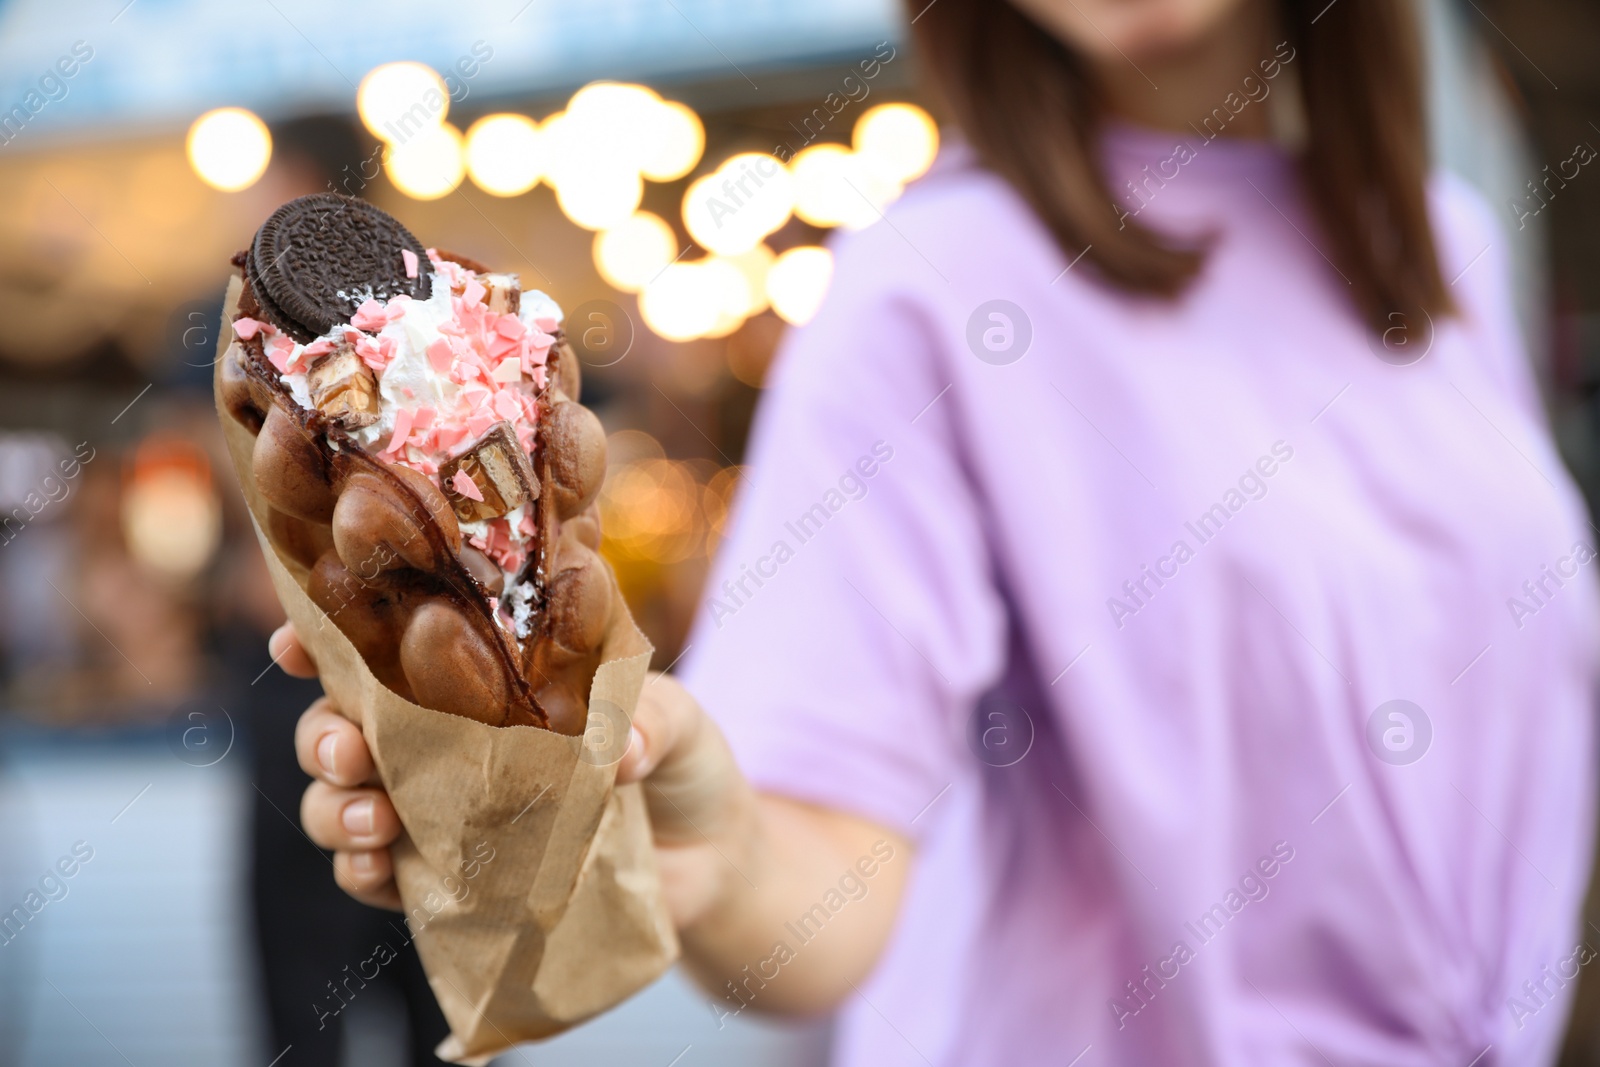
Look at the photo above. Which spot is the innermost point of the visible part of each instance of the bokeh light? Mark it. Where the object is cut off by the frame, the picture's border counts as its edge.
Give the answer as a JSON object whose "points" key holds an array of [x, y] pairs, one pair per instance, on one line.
{"points": [[428, 165], [754, 266], [798, 281], [636, 250], [682, 304], [601, 199], [171, 517], [834, 187], [898, 141], [397, 101], [674, 143], [505, 154], [229, 148], [731, 209]]}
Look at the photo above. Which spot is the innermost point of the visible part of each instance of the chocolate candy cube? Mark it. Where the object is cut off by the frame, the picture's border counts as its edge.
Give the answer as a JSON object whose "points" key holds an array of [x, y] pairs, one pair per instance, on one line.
{"points": [[497, 468], [343, 388]]}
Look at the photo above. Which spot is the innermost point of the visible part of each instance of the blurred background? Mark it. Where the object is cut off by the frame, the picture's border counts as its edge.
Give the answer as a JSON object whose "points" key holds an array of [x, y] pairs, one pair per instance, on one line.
{"points": [[591, 147]]}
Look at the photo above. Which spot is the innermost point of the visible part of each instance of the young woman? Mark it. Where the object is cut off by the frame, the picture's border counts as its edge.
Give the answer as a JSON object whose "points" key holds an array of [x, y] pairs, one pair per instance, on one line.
{"points": [[1157, 628]]}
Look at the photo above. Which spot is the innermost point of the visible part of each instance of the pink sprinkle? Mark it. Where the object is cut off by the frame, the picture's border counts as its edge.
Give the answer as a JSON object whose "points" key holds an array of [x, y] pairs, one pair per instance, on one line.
{"points": [[279, 359], [508, 370], [369, 316], [352, 336], [408, 392], [509, 326], [540, 377], [546, 323], [479, 423], [473, 293], [386, 347], [464, 485], [449, 437], [505, 404], [439, 355], [320, 347], [410, 259], [477, 542], [246, 328], [402, 430], [424, 418], [527, 525], [494, 604]]}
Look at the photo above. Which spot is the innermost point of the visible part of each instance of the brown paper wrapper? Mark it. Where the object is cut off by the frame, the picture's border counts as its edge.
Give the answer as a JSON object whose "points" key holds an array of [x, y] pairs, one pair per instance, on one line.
{"points": [[528, 880]]}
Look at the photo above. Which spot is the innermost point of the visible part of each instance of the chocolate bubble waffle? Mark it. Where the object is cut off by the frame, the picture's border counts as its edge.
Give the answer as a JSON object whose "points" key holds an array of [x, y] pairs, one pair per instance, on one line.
{"points": [[421, 453]]}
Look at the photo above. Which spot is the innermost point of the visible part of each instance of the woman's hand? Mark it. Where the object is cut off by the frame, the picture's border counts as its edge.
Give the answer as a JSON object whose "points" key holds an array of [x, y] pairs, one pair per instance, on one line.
{"points": [[735, 866], [699, 802], [345, 809]]}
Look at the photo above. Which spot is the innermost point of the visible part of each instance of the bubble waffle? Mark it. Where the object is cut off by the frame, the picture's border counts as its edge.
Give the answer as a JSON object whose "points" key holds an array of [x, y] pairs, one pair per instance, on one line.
{"points": [[420, 445]]}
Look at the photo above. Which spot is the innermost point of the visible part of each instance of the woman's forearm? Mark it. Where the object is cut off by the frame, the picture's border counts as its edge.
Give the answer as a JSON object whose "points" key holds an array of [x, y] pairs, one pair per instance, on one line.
{"points": [[804, 903]]}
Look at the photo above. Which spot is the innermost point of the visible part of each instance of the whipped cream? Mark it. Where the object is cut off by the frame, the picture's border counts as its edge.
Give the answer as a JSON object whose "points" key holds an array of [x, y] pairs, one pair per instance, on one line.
{"points": [[447, 368]]}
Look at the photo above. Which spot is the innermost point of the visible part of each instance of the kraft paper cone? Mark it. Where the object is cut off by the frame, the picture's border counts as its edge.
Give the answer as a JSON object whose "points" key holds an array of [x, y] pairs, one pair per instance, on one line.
{"points": [[528, 881]]}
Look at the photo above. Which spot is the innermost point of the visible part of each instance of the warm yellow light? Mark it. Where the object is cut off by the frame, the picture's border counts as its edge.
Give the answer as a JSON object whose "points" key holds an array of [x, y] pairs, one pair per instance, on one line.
{"points": [[754, 265], [398, 101], [633, 252], [834, 187], [505, 155], [429, 164], [798, 281], [682, 304], [730, 210], [600, 197], [620, 110], [732, 291], [898, 141], [674, 142], [229, 148]]}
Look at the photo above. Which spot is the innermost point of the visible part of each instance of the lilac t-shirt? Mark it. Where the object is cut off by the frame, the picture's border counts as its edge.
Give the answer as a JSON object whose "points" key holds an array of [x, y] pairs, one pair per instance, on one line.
{"points": [[1234, 684]]}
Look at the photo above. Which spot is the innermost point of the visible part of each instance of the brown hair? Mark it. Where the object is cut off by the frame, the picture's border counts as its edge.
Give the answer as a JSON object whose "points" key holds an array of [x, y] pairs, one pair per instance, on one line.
{"points": [[1028, 107]]}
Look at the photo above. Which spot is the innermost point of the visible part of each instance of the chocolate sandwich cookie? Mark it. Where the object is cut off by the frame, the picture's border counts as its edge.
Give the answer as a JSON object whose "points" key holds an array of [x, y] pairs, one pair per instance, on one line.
{"points": [[319, 257]]}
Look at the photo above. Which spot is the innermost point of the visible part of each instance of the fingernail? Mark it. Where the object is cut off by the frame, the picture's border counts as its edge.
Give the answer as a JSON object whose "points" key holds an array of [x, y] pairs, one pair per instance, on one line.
{"points": [[325, 750], [358, 817], [635, 743], [362, 862]]}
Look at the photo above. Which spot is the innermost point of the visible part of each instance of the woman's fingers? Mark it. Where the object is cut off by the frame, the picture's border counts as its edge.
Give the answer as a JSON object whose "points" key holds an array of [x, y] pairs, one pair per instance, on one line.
{"points": [[665, 714], [348, 819], [330, 747], [368, 876], [287, 652]]}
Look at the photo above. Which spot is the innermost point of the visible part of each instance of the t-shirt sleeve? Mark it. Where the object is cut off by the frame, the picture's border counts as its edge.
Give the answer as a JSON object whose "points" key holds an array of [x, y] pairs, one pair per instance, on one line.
{"points": [[851, 620]]}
